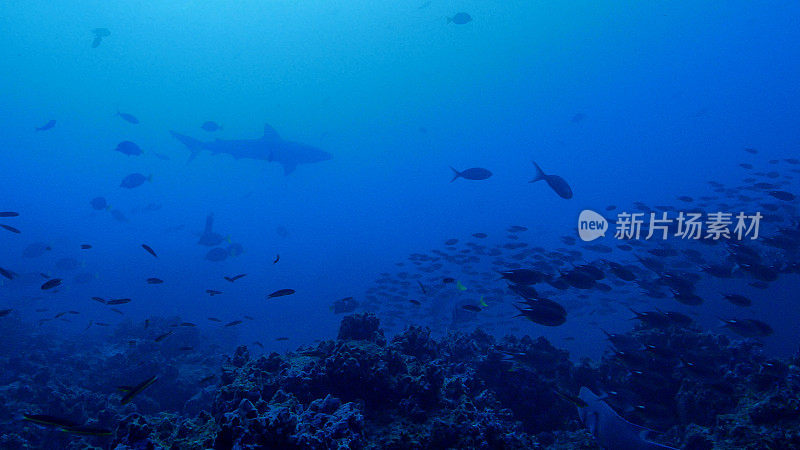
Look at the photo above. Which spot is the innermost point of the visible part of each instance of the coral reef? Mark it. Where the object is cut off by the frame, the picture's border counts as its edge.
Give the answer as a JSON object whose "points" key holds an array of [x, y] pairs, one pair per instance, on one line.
{"points": [[366, 391]]}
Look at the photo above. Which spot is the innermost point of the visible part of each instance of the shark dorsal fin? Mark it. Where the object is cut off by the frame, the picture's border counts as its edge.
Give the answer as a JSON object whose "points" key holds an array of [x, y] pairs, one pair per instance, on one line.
{"points": [[270, 134]]}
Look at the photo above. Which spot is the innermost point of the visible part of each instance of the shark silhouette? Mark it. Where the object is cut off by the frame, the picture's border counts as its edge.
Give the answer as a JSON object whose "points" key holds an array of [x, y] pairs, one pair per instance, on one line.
{"points": [[270, 147], [610, 429]]}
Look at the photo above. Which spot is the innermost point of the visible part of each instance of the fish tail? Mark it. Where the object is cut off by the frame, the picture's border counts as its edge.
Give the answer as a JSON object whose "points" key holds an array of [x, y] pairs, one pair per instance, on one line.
{"points": [[539, 173], [456, 173], [194, 146]]}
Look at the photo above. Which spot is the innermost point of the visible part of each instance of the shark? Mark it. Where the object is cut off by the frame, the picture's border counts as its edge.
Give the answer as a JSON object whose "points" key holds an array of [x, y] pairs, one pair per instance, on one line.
{"points": [[610, 429], [269, 147]]}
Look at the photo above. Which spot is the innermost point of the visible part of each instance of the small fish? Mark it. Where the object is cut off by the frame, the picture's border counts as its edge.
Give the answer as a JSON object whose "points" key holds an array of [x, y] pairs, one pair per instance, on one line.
{"points": [[234, 278], [9, 214], [281, 293], [101, 324], [233, 324], [210, 126], [6, 273], [277, 258], [480, 235], [474, 174], [99, 204], [214, 319], [50, 124], [460, 18], [130, 118], [448, 280], [186, 349], [212, 292], [154, 281], [556, 183], [415, 302], [129, 148], [99, 300], [50, 284], [472, 308], [187, 324], [99, 34], [282, 338], [164, 336], [737, 299], [136, 390], [258, 344], [10, 228], [42, 419], [85, 246], [207, 379], [783, 195], [118, 301], [87, 431], [134, 180], [149, 250], [422, 287], [5, 312]]}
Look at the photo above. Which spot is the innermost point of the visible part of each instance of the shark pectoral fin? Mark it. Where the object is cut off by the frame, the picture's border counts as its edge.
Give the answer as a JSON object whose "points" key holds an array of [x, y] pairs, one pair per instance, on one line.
{"points": [[288, 168], [270, 134]]}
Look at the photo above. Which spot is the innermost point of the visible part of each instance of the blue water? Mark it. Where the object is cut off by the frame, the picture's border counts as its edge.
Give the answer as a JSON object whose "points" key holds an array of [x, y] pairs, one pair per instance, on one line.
{"points": [[671, 94]]}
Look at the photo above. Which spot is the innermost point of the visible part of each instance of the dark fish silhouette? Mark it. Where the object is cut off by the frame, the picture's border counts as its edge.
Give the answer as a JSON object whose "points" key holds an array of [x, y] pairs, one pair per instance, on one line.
{"points": [[135, 180], [99, 203], [270, 147], [475, 174], [10, 228], [99, 34], [281, 293], [9, 214], [50, 124], [50, 284], [460, 18], [210, 126], [149, 250], [130, 118], [783, 195], [209, 238], [556, 183], [129, 148], [136, 390]]}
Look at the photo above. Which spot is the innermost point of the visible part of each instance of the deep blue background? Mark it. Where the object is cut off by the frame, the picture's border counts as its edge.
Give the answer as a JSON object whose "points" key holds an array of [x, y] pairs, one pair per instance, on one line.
{"points": [[671, 94]]}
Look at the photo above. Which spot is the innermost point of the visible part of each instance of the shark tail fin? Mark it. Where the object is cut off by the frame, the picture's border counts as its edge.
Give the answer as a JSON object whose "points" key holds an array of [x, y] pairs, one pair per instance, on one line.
{"points": [[539, 173], [194, 146], [456, 174]]}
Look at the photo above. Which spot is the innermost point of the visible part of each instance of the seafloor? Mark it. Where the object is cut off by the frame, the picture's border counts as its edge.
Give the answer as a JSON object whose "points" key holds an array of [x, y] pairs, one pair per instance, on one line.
{"points": [[364, 391]]}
